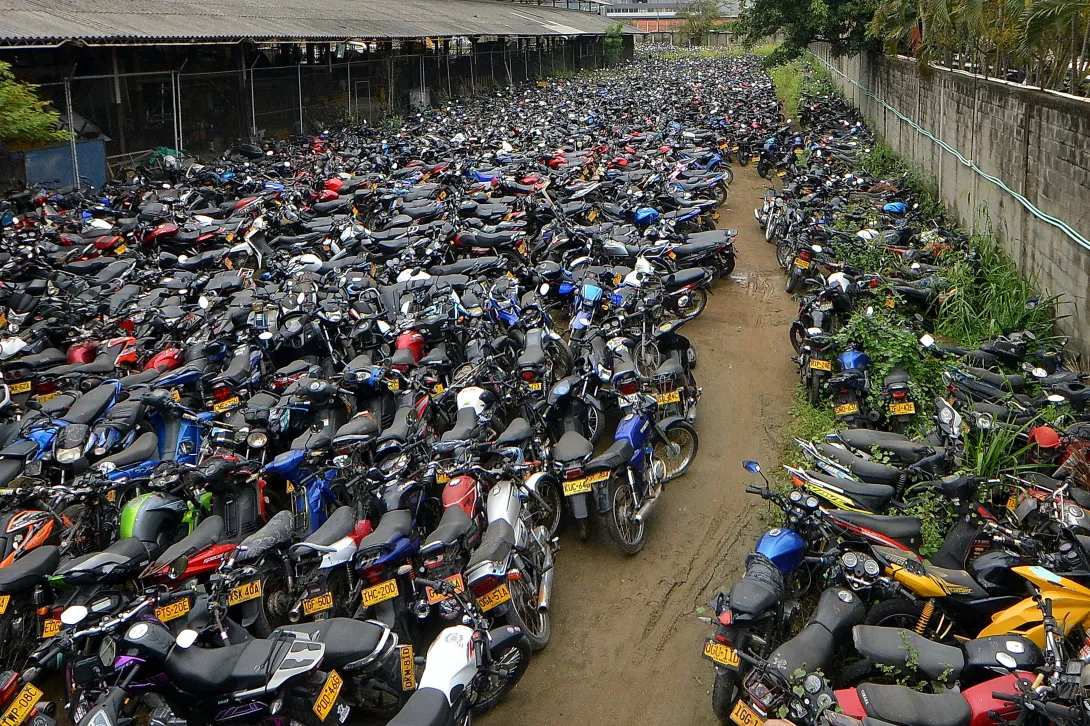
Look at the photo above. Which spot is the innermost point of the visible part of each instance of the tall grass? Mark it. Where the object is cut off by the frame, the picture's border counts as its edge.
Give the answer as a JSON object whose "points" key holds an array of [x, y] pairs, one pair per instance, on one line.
{"points": [[788, 80]]}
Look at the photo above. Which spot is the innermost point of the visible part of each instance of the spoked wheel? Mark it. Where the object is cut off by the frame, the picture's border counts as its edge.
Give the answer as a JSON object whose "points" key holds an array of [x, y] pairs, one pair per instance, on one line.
{"points": [[648, 357], [488, 689], [679, 454], [698, 300], [624, 530], [785, 253], [595, 423], [524, 613], [560, 355], [547, 507]]}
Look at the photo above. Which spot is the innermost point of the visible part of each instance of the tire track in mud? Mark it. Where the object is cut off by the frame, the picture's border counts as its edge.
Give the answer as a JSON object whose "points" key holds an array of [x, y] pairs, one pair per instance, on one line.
{"points": [[626, 637]]}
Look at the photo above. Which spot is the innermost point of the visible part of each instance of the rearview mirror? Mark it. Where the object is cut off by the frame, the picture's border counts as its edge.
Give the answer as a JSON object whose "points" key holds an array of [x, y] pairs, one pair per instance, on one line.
{"points": [[178, 567], [751, 466]]}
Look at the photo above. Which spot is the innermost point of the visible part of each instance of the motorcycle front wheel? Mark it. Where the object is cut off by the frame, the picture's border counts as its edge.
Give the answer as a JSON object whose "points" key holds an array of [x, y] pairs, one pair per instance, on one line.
{"points": [[698, 300], [626, 532], [489, 689]]}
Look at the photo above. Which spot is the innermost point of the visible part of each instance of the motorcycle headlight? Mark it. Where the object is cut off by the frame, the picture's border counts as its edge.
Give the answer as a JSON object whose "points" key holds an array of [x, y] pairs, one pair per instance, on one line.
{"points": [[333, 316], [293, 325], [342, 462], [67, 456], [394, 464], [257, 440]]}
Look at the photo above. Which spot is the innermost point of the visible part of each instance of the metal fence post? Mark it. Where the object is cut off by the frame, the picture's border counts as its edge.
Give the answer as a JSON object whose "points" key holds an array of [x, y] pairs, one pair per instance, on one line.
{"points": [[174, 101], [350, 89], [72, 134], [178, 109], [299, 75]]}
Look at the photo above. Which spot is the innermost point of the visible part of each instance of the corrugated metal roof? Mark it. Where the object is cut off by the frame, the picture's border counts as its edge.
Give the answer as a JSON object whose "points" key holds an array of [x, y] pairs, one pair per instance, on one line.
{"points": [[179, 20]]}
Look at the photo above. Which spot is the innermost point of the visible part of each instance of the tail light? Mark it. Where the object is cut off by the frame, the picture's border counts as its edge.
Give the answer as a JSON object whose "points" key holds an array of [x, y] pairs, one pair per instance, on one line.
{"points": [[107, 242], [797, 482], [373, 573], [528, 375], [804, 254], [628, 387], [573, 473], [9, 681], [665, 384], [485, 585], [843, 390], [47, 386], [13, 375], [221, 393], [899, 393], [726, 618], [434, 562]]}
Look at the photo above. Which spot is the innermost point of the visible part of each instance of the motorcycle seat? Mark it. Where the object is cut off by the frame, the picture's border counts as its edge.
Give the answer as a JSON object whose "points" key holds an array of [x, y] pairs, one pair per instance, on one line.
{"points": [[91, 405], [572, 447], [906, 450], [393, 245], [897, 375], [30, 569], [485, 239], [19, 450], [46, 359], [469, 266], [346, 640], [58, 404], [759, 590], [454, 525], [436, 357], [869, 471], [144, 448], [533, 356], [907, 650], [465, 426], [221, 670], [204, 535], [614, 457], [394, 525], [102, 365], [421, 210], [295, 368], [120, 561], [905, 706], [276, 532], [875, 497], [906, 530], [684, 278], [325, 208], [810, 650], [286, 240], [670, 368], [496, 546], [237, 372], [426, 707], [517, 433], [359, 427], [698, 247], [1013, 383], [85, 267], [399, 429], [338, 526], [139, 379]]}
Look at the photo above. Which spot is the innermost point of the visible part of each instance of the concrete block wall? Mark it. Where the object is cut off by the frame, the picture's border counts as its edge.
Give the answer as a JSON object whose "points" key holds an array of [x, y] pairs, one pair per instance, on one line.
{"points": [[1036, 142]]}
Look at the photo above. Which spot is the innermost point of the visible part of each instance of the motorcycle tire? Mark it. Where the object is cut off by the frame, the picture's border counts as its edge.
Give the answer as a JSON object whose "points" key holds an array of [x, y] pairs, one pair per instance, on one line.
{"points": [[770, 226], [813, 392], [551, 514], [688, 436], [855, 673], [595, 424], [720, 195], [648, 357], [785, 253], [792, 285], [726, 265], [561, 356], [796, 338], [628, 535], [762, 169], [724, 694], [520, 650], [538, 629], [698, 300], [728, 173], [743, 159], [895, 613]]}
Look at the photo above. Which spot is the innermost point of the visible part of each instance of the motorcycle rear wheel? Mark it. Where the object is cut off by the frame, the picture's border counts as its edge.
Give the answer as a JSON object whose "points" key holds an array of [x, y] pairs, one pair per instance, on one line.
{"points": [[534, 623], [724, 694], [698, 300]]}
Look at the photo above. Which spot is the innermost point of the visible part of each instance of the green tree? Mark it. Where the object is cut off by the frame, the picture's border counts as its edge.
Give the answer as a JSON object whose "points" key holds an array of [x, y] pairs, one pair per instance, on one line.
{"points": [[24, 118], [841, 23], [701, 17], [614, 43]]}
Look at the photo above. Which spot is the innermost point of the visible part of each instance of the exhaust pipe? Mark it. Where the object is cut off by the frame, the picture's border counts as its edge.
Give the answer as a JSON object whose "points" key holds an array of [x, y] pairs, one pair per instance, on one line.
{"points": [[645, 509], [544, 591]]}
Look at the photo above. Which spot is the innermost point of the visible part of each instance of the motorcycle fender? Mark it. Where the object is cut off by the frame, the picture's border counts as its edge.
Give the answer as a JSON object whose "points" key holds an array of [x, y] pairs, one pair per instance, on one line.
{"points": [[602, 491], [249, 610], [503, 637], [666, 423], [533, 483], [579, 506]]}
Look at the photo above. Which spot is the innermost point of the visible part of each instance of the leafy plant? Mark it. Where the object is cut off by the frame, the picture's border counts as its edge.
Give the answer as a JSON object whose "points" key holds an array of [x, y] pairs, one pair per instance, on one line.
{"points": [[936, 517], [614, 43], [701, 17], [25, 119]]}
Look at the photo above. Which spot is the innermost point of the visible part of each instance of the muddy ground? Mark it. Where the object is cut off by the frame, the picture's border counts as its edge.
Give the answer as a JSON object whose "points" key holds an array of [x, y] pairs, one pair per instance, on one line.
{"points": [[626, 638]]}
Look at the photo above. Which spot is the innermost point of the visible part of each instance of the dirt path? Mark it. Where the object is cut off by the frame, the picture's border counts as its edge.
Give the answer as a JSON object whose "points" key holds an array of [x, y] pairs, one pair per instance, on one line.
{"points": [[626, 639]]}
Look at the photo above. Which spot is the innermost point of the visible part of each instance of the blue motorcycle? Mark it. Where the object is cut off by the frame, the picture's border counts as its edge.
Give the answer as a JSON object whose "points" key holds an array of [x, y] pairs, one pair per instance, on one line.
{"points": [[627, 480], [849, 388]]}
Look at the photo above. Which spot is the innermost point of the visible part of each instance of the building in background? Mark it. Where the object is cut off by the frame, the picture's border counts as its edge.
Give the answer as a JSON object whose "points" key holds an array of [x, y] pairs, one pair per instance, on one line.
{"points": [[659, 16]]}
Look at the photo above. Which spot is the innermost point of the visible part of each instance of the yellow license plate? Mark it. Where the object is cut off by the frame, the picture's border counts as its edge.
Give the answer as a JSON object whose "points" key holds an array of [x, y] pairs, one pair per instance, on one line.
{"points": [[173, 611], [438, 597], [902, 409], [393, 384], [846, 409], [244, 592], [781, 173], [576, 486], [318, 603], [721, 654], [671, 397], [536, 386], [21, 387], [176, 396], [491, 599], [439, 388], [227, 263], [226, 405], [821, 365], [743, 715], [323, 704], [671, 254], [600, 476], [379, 593], [3, 319], [801, 263], [42, 398], [21, 707], [1012, 503], [408, 668], [441, 477], [51, 627], [120, 249], [230, 236], [4, 601]]}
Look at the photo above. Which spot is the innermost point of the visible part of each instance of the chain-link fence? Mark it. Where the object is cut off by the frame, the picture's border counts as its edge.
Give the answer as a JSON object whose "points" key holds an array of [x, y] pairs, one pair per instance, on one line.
{"points": [[132, 115]]}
